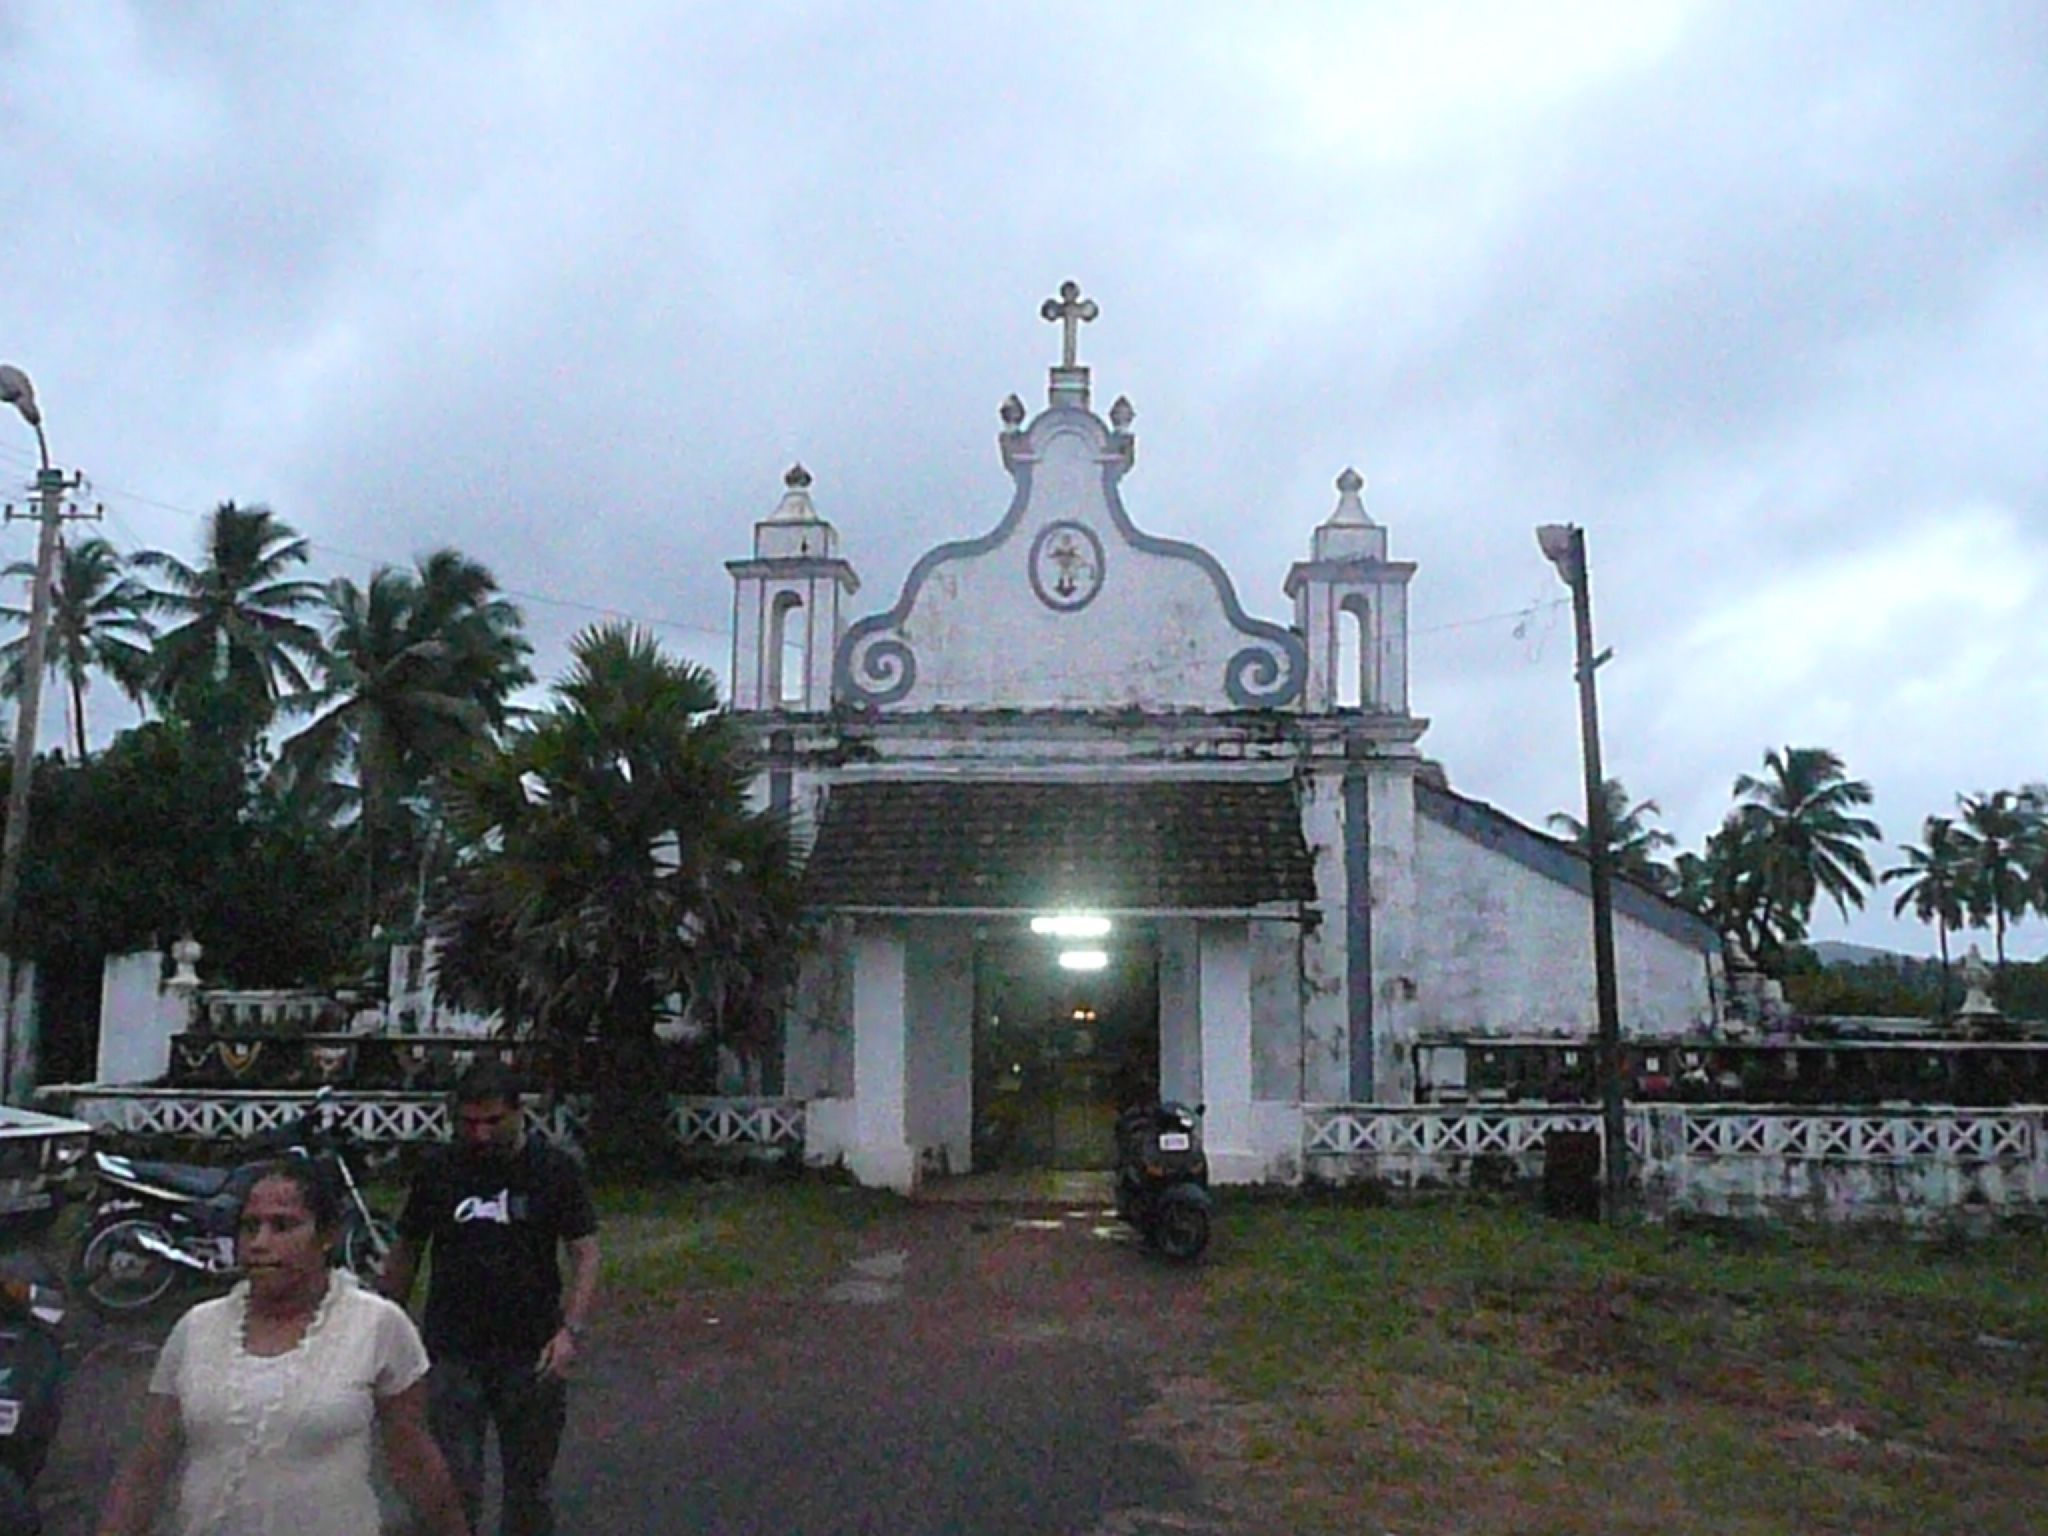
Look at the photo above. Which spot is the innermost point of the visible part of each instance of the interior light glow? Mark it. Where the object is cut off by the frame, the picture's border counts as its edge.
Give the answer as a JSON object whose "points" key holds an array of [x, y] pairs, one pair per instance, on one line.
{"points": [[1071, 925], [1083, 959]]}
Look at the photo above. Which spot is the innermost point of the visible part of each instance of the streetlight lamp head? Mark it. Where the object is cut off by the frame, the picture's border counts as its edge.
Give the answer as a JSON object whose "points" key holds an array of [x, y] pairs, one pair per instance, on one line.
{"points": [[1556, 541], [16, 391]]}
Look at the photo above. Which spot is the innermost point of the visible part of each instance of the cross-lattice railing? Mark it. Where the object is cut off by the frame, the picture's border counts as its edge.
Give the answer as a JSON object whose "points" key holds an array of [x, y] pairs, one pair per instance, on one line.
{"points": [[392, 1119], [1871, 1136], [1912, 1162], [1430, 1131]]}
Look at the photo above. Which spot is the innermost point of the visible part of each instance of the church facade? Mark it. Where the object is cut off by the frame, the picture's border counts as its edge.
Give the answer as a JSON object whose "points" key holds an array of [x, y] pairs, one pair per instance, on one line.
{"points": [[1080, 829]]}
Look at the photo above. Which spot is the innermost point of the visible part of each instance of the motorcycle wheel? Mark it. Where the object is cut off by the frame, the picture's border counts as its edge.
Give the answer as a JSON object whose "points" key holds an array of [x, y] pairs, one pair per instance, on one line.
{"points": [[118, 1277], [1181, 1230], [363, 1248]]}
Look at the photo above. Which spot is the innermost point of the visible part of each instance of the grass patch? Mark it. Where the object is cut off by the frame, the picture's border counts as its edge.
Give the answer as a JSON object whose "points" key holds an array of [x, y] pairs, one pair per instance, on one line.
{"points": [[722, 1237], [1473, 1367]]}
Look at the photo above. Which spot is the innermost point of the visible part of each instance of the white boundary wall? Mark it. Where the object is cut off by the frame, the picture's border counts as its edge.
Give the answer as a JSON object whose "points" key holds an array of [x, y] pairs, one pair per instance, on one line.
{"points": [[1917, 1165]]}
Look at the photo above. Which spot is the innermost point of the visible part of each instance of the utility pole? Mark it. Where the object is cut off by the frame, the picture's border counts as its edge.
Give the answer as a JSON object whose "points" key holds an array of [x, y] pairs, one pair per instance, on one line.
{"points": [[51, 487], [1565, 546]]}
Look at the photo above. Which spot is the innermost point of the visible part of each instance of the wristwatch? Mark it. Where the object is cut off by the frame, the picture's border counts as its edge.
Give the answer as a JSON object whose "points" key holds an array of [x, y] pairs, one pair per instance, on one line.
{"points": [[575, 1330]]}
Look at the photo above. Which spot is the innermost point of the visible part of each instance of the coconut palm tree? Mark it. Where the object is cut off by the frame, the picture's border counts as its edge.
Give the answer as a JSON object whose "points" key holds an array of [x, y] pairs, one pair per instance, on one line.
{"points": [[97, 624], [608, 863], [1730, 884], [1632, 843], [1933, 880], [1801, 838], [421, 666], [238, 631], [2002, 837]]}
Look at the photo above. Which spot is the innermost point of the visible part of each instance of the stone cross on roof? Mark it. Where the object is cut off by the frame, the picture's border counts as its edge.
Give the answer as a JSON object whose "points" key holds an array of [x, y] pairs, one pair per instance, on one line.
{"points": [[1070, 310]]}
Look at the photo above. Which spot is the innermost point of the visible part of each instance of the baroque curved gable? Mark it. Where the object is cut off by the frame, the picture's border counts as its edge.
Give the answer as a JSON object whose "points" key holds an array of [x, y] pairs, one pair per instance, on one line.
{"points": [[1065, 604]]}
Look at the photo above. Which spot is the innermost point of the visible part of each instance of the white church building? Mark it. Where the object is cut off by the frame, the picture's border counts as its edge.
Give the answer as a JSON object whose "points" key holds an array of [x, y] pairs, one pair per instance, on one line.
{"points": [[1082, 829]]}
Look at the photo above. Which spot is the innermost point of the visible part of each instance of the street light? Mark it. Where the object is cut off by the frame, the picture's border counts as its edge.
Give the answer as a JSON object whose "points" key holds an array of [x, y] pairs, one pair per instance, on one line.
{"points": [[17, 391], [1564, 546]]}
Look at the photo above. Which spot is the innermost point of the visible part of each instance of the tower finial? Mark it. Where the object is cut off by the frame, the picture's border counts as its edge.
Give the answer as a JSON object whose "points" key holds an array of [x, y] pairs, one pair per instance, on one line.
{"points": [[1350, 511], [795, 506]]}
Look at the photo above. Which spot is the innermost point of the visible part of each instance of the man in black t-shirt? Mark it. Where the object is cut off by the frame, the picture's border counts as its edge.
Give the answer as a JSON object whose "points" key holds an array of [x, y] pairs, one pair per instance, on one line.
{"points": [[502, 1334]]}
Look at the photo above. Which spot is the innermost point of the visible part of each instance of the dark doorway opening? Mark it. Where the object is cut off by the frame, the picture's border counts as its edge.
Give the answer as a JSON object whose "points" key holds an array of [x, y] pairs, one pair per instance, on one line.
{"points": [[68, 1016], [1058, 1052]]}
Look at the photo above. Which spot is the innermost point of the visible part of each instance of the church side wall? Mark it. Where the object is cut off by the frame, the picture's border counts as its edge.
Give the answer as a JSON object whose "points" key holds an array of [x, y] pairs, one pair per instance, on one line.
{"points": [[1502, 949]]}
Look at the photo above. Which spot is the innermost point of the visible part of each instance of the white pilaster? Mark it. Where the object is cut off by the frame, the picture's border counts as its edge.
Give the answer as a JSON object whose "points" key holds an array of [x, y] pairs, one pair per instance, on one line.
{"points": [[1325, 948], [1226, 1003], [881, 1154], [1396, 982], [1180, 1012]]}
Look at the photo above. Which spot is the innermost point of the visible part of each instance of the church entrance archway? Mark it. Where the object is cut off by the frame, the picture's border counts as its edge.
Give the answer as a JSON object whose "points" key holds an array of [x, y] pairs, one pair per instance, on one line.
{"points": [[1058, 1051]]}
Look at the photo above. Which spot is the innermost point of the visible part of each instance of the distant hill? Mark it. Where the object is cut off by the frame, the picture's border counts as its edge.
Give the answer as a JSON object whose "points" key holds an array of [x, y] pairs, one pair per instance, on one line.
{"points": [[1835, 952]]}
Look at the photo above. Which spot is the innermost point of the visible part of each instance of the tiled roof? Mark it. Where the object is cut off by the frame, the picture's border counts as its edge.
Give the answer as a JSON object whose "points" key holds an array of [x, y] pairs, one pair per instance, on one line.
{"points": [[1161, 844]]}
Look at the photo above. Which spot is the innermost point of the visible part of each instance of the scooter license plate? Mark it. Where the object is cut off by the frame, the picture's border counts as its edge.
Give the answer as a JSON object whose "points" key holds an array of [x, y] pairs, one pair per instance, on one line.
{"points": [[10, 1415], [1173, 1141]]}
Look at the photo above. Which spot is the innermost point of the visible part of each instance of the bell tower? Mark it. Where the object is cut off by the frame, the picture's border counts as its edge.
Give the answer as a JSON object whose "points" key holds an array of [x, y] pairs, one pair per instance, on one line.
{"points": [[1351, 609], [787, 607]]}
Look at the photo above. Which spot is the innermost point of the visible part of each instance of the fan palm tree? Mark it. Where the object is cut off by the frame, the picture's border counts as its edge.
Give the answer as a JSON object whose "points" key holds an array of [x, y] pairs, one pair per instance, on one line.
{"points": [[97, 624], [1801, 838], [1933, 880], [420, 666], [1632, 843], [2003, 839], [608, 864], [238, 629]]}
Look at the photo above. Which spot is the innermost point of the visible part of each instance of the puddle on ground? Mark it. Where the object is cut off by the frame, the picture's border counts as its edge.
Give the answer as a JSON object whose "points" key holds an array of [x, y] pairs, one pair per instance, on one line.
{"points": [[864, 1293], [883, 1266]]}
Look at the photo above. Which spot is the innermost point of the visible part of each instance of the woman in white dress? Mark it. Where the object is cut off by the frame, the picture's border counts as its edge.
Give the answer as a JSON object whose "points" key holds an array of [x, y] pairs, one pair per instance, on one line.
{"points": [[263, 1403]]}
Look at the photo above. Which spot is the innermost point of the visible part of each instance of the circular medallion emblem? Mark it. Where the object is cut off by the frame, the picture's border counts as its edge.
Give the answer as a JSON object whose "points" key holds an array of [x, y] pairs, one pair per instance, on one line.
{"points": [[1066, 565]]}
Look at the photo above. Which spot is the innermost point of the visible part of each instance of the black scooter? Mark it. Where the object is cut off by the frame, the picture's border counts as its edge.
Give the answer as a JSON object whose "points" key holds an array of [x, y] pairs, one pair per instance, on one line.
{"points": [[31, 1383], [1162, 1177], [155, 1224]]}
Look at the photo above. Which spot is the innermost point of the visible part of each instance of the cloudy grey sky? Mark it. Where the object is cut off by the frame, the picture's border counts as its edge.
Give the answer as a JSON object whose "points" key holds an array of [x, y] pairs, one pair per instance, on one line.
{"points": [[1754, 292]]}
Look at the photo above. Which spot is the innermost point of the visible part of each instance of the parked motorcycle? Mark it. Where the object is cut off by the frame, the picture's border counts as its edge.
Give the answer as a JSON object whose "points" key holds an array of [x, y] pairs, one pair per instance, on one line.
{"points": [[1162, 1177], [31, 1382], [157, 1224]]}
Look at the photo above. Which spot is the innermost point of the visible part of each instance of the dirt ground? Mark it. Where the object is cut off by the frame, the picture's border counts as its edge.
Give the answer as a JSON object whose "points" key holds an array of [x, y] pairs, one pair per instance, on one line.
{"points": [[987, 1370]]}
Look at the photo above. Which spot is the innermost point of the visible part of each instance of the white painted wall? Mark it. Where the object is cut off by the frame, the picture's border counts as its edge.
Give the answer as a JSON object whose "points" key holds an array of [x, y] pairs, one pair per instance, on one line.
{"points": [[881, 1154], [1226, 983], [1403, 913], [137, 1019], [1502, 949], [1325, 967], [1180, 1011], [829, 1132], [817, 1038], [1154, 636], [939, 1066], [1276, 1011]]}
